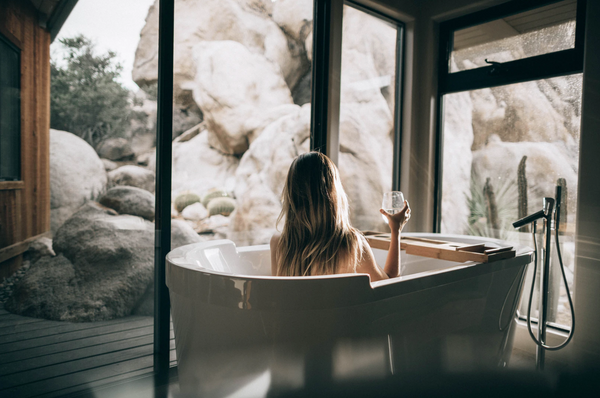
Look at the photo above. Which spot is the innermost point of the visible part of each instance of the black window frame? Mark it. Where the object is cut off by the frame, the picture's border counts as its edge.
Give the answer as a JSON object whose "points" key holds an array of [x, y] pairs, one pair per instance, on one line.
{"points": [[17, 153], [544, 66]]}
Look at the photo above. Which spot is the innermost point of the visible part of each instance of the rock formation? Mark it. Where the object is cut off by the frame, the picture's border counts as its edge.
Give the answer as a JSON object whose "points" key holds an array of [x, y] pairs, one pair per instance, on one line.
{"points": [[133, 176], [76, 175], [232, 84], [103, 268], [129, 200], [456, 184]]}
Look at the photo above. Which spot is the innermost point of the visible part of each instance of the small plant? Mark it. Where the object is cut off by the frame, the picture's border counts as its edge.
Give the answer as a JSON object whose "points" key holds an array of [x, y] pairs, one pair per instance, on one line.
{"points": [[224, 206], [563, 203], [184, 200], [492, 205], [522, 183], [212, 194]]}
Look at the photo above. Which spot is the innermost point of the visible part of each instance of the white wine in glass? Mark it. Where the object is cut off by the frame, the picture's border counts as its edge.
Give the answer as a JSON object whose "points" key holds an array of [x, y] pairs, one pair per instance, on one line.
{"points": [[392, 203]]}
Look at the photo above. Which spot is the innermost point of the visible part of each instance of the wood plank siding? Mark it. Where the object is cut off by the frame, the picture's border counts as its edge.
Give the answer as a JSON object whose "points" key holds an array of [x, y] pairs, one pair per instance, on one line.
{"points": [[25, 207]]}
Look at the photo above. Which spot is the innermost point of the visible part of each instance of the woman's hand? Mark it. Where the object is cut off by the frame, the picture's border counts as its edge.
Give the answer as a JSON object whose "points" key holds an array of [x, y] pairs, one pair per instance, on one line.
{"points": [[397, 221]]}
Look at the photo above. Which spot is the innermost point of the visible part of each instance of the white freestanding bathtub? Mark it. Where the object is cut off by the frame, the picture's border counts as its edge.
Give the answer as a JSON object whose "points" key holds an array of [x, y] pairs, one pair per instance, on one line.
{"points": [[237, 328]]}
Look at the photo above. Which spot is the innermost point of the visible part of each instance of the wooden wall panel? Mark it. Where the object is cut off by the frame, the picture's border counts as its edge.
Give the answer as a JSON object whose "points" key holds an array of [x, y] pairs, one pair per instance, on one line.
{"points": [[28, 143], [25, 212], [10, 217], [42, 133]]}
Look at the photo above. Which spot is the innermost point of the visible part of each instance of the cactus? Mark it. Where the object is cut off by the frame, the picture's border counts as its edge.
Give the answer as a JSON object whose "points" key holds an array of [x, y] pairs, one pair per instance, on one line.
{"points": [[224, 206], [564, 201], [492, 209], [522, 185], [212, 194], [184, 200]]}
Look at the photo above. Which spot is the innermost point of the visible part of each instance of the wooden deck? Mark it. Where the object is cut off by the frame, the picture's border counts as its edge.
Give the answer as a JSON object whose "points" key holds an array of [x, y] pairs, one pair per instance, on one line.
{"points": [[41, 358]]}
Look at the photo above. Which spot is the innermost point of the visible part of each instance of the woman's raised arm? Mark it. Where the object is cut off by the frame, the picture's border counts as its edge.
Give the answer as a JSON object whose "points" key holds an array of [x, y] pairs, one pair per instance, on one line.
{"points": [[396, 223]]}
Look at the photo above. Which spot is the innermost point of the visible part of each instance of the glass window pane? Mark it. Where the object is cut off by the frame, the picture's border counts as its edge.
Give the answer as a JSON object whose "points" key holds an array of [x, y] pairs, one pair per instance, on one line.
{"points": [[505, 148], [367, 105], [242, 76], [10, 112], [535, 32]]}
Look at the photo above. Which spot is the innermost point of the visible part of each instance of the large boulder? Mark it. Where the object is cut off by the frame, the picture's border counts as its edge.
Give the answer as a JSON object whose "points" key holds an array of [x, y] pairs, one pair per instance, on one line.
{"points": [[233, 84], [546, 162], [103, 266], [456, 184], [294, 17], [115, 149], [516, 113], [76, 175], [198, 167], [368, 59], [133, 176], [246, 22], [129, 200], [103, 269], [365, 170]]}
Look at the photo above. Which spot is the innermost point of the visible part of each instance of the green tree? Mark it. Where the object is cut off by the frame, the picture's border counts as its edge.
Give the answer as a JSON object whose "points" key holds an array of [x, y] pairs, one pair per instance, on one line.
{"points": [[85, 98]]}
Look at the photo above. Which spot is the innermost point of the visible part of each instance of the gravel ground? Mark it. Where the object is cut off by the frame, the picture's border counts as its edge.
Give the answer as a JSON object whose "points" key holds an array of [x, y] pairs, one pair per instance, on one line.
{"points": [[7, 285]]}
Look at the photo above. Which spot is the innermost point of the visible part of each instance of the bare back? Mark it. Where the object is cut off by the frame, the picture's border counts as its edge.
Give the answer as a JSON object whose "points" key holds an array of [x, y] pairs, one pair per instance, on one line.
{"points": [[367, 263]]}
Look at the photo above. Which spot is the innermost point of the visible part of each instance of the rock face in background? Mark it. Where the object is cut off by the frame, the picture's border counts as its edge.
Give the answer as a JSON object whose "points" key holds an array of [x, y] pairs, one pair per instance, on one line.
{"points": [[133, 176], [365, 170], [76, 175], [458, 139], [260, 177], [197, 166], [232, 84], [103, 268], [242, 78], [516, 113], [198, 21], [546, 162]]}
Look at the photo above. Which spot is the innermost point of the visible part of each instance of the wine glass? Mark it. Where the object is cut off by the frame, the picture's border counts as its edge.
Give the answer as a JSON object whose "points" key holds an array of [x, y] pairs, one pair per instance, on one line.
{"points": [[392, 203]]}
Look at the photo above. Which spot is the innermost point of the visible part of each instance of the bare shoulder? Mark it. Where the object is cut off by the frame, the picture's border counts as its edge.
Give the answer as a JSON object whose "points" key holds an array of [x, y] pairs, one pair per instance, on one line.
{"points": [[275, 239]]}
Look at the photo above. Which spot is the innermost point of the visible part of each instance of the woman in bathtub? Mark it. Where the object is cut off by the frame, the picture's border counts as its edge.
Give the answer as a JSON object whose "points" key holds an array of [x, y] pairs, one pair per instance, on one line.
{"points": [[317, 238]]}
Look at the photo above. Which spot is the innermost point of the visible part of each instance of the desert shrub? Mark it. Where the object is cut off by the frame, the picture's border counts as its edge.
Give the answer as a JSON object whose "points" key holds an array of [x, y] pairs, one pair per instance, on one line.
{"points": [[223, 205], [506, 195], [184, 200]]}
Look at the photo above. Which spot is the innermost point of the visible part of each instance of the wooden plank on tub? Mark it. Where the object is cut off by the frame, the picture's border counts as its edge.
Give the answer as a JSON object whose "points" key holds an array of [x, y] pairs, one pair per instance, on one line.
{"points": [[497, 250], [378, 243], [501, 256], [440, 249]]}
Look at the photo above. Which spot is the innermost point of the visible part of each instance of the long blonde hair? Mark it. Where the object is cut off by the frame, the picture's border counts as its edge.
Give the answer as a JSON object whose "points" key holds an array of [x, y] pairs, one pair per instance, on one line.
{"points": [[317, 238]]}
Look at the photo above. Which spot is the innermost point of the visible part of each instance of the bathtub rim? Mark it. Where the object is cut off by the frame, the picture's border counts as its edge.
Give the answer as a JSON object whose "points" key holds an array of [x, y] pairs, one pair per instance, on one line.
{"points": [[184, 280]]}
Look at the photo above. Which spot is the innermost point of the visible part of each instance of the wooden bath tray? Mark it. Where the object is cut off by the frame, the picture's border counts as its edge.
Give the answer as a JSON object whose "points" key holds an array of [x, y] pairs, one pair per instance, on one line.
{"points": [[441, 249]]}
